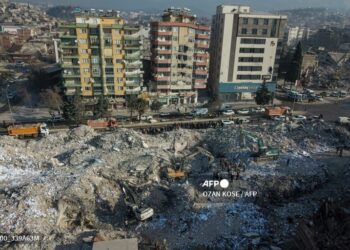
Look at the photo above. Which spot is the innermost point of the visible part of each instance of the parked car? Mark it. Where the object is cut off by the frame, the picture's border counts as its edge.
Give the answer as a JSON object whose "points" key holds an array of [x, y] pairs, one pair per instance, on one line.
{"points": [[227, 122], [146, 117], [56, 119], [152, 120], [299, 118], [200, 111], [164, 114], [279, 118], [228, 112], [243, 111]]}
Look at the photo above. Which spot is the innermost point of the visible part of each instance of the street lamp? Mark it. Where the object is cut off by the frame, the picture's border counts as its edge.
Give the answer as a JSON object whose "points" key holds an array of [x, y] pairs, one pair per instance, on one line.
{"points": [[8, 102]]}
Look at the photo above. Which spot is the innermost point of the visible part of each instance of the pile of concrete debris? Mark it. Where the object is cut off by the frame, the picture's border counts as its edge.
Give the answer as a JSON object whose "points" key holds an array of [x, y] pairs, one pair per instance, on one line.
{"points": [[67, 185]]}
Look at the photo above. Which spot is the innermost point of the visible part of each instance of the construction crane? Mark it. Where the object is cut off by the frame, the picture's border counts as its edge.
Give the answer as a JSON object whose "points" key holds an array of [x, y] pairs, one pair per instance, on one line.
{"points": [[264, 152]]}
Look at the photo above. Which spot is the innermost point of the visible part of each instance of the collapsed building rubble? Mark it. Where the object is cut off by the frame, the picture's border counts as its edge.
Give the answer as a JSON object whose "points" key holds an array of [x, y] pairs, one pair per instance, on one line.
{"points": [[66, 185]]}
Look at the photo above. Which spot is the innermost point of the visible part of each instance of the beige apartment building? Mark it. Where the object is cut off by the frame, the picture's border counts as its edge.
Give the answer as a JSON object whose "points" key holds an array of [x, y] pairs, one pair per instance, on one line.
{"points": [[100, 55], [245, 50], [179, 55]]}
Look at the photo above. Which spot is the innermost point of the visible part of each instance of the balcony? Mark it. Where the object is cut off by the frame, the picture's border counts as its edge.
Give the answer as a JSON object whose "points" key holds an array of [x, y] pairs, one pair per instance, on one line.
{"points": [[202, 45], [68, 35], [201, 54], [202, 36], [133, 91], [132, 37], [181, 87], [70, 65], [71, 75], [162, 42], [158, 69], [158, 60], [200, 72], [164, 51], [163, 87], [200, 63], [134, 73], [162, 78], [134, 64], [135, 55], [162, 33], [132, 83], [199, 81], [69, 45], [200, 86]]}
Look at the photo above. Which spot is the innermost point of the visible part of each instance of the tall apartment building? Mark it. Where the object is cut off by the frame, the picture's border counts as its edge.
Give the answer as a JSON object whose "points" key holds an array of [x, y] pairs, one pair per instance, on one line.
{"points": [[245, 49], [101, 56], [296, 34], [180, 57]]}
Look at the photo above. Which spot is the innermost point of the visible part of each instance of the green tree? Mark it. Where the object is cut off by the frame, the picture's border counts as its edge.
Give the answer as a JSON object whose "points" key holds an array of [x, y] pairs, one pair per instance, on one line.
{"points": [[156, 106], [141, 106], [263, 95], [73, 109], [294, 71], [101, 108], [131, 104]]}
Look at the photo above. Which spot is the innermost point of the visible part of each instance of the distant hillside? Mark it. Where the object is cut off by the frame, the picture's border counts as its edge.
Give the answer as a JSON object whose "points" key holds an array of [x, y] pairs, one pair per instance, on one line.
{"points": [[62, 12]]}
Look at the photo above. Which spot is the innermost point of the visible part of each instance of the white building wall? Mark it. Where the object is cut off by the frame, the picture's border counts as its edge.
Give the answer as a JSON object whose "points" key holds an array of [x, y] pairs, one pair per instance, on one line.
{"points": [[268, 56]]}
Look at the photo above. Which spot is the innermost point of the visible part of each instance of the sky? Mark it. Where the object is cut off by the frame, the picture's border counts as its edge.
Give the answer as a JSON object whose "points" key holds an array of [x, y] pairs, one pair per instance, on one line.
{"points": [[200, 7]]}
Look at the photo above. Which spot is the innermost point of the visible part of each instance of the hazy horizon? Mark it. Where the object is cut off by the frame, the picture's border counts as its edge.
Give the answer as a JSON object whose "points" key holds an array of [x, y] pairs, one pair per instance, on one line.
{"points": [[201, 7]]}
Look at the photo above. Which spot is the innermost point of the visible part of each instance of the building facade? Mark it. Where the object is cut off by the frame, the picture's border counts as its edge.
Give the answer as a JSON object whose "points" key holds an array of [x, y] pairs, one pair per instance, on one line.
{"points": [[101, 55], [296, 34], [179, 55], [245, 49]]}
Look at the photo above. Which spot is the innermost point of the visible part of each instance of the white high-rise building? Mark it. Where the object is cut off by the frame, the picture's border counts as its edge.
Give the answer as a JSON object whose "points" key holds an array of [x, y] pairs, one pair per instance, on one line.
{"points": [[244, 51]]}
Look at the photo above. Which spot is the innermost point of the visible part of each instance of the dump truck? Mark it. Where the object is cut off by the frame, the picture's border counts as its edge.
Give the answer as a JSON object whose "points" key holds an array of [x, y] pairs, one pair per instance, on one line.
{"points": [[275, 111], [28, 130], [102, 123]]}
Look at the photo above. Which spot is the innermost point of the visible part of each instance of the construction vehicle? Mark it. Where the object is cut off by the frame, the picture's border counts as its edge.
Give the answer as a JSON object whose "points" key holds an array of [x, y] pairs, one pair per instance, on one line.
{"points": [[275, 111], [132, 201], [103, 123], [29, 130], [264, 152]]}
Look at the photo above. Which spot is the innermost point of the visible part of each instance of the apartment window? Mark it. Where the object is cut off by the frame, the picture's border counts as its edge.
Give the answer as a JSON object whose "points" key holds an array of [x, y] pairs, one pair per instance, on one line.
{"points": [[118, 51], [108, 42], [254, 31], [109, 80], [245, 20], [252, 50], [87, 79], [95, 60], [109, 61], [266, 21], [117, 32], [253, 41], [264, 32], [191, 31], [96, 71], [86, 70], [94, 41], [88, 88], [82, 41], [84, 31], [117, 42], [83, 51], [249, 68], [120, 70], [244, 31], [174, 38], [107, 31], [109, 71], [120, 79], [251, 59], [256, 21], [94, 31], [248, 77], [86, 60], [120, 88]]}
